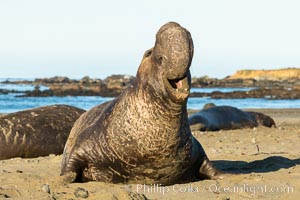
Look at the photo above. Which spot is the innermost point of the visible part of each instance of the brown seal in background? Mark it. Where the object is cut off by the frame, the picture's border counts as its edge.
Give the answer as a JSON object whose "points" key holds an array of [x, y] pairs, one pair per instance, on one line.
{"points": [[36, 132], [143, 136]]}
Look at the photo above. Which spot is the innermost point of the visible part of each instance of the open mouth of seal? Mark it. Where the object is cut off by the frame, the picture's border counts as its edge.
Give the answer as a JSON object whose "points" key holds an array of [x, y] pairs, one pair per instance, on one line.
{"points": [[178, 88]]}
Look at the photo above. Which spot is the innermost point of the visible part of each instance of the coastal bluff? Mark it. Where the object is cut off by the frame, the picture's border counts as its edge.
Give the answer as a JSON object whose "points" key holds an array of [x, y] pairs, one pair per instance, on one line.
{"points": [[285, 78], [271, 75]]}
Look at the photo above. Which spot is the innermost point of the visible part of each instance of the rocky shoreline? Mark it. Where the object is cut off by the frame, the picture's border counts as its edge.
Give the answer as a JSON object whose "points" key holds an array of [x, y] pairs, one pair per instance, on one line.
{"points": [[266, 93], [113, 85]]}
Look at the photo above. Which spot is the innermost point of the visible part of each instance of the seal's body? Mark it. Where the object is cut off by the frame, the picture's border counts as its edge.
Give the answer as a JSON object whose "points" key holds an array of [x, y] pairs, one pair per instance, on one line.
{"points": [[36, 132], [215, 118], [143, 136]]}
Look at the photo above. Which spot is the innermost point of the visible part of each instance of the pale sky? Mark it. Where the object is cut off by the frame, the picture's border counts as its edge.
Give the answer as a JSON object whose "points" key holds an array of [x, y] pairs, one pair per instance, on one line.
{"points": [[75, 38]]}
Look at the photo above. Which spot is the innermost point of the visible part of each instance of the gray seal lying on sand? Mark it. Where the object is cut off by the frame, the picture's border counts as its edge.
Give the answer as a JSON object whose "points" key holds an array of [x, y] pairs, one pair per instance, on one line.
{"points": [[36, 132], [214, 118], [143, 136]]}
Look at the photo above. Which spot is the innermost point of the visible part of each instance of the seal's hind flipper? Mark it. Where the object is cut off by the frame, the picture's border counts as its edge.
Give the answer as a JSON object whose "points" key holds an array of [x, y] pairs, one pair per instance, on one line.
{"points": [[208, 171]]}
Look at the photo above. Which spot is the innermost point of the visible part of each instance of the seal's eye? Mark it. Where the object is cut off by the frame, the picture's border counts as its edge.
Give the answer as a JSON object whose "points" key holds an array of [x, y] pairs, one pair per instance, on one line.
{"points": [[159, 60]]}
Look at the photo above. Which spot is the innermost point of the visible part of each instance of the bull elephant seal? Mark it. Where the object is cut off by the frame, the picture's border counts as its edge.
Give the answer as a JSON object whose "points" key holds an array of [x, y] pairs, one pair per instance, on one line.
{"points": [[214, 118], [36, 132], [143, 136]]}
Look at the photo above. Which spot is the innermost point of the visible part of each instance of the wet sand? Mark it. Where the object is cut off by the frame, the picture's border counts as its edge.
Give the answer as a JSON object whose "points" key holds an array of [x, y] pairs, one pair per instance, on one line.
{"points": [[267, 160]]}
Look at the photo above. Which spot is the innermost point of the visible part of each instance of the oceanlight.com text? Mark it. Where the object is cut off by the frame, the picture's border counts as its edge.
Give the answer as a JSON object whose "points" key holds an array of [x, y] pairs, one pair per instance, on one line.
{"points": [[213, 188]]}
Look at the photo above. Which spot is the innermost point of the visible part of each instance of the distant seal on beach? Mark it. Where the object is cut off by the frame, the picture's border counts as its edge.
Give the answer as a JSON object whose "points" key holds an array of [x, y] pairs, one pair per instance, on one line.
{"points": [[214, 118], [262, 119], [36, 132], [143, 136]]}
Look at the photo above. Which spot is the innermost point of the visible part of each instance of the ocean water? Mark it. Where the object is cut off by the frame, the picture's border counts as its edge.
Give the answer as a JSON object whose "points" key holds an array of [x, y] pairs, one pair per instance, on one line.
{"points": [[15, 79], [21, 87], [10, 103]]}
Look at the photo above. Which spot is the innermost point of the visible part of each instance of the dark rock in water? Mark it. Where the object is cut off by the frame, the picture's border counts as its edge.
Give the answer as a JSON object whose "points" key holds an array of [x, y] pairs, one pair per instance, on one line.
{"points": [[214, 118], [110, 87], [36, 132], [206, 81], [118, 82], [37, 93], [267, 93], [3, 91], [56, 79], [268, 88]]}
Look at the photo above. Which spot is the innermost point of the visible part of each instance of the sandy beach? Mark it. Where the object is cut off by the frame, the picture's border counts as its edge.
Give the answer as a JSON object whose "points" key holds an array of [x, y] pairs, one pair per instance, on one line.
{"points": [[267, 160]]}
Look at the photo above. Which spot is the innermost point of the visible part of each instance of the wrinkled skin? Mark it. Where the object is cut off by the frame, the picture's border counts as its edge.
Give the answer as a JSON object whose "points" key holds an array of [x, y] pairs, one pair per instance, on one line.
{"points": [[36, 132], [143, 136]]}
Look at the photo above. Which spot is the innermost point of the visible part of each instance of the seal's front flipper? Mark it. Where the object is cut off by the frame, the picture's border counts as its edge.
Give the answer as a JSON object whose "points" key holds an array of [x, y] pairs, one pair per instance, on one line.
{"points": [[67, 178], [208, 171]]}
